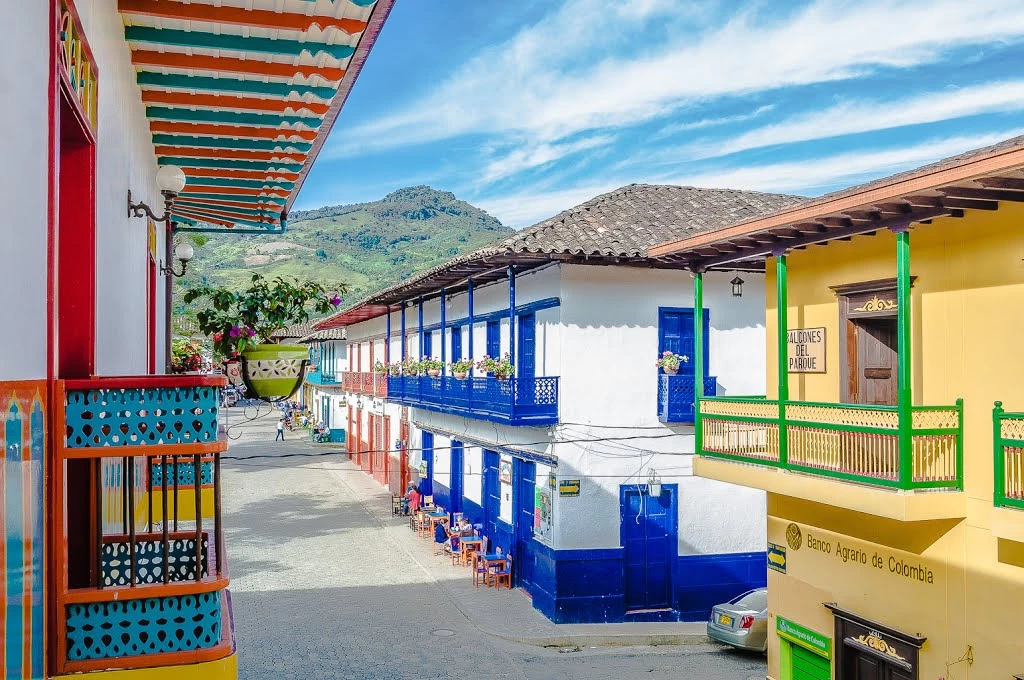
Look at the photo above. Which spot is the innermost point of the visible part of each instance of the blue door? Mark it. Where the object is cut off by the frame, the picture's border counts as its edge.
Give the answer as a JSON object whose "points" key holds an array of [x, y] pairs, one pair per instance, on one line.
{"points": [[456, 477], [526, 354], [491, 495], [427, 444], [456, 344], [494, 338], [523, 479], [649, 537], [675, 334]]}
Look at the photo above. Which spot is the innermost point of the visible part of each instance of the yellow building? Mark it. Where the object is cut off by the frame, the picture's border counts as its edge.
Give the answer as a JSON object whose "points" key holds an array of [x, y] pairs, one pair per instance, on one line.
{"points": [[887, 443]]}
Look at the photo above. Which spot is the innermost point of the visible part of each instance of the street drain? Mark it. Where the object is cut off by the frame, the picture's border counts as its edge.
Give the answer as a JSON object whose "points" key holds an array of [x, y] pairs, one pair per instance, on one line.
{"points": [[442, 632]]}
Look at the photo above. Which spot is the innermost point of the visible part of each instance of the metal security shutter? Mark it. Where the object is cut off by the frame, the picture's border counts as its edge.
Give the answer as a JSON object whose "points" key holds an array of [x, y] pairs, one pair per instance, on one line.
{"points": [[809, 666]]}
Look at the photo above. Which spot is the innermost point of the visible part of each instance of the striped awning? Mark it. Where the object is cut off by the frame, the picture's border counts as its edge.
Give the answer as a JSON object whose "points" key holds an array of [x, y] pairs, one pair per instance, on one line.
{"points": [[241, 95]]}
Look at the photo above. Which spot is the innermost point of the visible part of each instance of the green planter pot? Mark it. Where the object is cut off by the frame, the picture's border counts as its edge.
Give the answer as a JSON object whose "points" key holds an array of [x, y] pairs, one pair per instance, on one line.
{"points": [[274, 372]]}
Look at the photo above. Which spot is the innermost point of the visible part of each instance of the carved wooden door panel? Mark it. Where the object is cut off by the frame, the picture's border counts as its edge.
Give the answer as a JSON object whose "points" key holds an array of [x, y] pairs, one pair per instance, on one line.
{"points": [[876, 361]]}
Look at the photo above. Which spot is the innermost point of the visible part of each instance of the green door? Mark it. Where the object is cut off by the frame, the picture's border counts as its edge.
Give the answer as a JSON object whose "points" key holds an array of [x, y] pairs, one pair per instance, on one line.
{"points": [[809, 666]]}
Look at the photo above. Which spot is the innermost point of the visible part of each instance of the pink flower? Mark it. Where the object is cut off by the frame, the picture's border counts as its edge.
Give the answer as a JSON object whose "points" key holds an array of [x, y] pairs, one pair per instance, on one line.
{"points": [[251, 333], [217, 337], [335, 300], [235, 332]]}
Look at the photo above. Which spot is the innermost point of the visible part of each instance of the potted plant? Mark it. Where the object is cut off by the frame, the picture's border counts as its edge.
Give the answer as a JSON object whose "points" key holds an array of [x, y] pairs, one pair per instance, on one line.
{"points": [[669, 362], [381, 367], [502, 368], [410, 367], [186, 356], [431, 367], [460, 368], [241, 322], [394, 369]]}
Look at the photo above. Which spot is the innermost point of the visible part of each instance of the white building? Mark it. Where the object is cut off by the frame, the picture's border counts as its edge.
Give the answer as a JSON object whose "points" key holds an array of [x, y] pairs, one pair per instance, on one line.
{"points": [[555, 463]]}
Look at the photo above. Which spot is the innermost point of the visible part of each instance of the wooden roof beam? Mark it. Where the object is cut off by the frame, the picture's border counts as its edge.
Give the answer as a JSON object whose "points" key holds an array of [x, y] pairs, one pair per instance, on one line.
{"points": [[970, 204], [1002, 182], [895, 208], [924, 201], [810, 228], [984, 194], [833, 234], [837, 221]]}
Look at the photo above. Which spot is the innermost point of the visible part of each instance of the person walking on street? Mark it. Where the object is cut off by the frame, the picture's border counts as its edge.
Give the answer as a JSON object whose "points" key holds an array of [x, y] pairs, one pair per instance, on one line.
{"points": [[280, 430]]}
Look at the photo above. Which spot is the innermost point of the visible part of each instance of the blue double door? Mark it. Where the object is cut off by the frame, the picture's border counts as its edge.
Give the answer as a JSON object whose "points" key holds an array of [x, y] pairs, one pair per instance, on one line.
{"points": [[650, 541], [524, 474], [675, 334]]}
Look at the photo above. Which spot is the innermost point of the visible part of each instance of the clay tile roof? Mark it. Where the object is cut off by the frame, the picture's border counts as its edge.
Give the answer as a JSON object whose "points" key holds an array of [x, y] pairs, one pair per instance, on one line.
{"points": [[325, 334], [298, 330], [628, 221]]}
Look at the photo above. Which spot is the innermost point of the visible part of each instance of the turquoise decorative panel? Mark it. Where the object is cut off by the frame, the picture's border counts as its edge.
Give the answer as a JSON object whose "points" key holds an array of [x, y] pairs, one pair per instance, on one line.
{"points": [[137, 417], [109, 630], [149, 561], [186, 474]]}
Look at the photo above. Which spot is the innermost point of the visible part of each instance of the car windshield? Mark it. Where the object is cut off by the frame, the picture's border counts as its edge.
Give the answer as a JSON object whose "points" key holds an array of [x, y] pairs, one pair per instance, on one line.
{"points": [[755, 600]]}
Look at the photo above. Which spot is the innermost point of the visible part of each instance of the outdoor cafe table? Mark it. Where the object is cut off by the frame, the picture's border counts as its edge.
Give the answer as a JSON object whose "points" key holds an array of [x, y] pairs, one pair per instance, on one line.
{"points": [[467, 545], [436, 518], [492, 560]]}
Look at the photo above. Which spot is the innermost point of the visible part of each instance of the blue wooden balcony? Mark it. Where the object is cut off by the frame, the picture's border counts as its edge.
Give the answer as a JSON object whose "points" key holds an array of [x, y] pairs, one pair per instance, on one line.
{"points": [[516, 401], [676, 397]]}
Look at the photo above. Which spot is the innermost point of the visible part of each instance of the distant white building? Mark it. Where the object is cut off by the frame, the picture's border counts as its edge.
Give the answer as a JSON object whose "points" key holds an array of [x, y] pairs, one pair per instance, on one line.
{"points": [[557, 463]]}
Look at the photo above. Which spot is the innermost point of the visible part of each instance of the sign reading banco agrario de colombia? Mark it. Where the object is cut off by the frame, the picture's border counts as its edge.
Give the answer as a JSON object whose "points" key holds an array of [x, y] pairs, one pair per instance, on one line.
{"points": [[806, 350], [803, 636], [849, 553]]}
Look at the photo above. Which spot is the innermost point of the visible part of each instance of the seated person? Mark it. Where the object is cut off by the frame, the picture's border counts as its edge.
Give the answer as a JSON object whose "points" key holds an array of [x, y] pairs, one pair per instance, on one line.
{"points": [[411, 500], [440, 533]]}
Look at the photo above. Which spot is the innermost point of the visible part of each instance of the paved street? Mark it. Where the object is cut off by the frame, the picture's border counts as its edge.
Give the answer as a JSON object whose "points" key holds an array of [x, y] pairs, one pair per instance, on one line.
{"points": [[325, 585]]}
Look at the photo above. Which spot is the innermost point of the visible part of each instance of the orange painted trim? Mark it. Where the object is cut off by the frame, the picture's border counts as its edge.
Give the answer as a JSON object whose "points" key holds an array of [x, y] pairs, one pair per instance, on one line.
{"points": [[202, 62], [195, 215], [240, 154], [142, 451], [238, 16], [145, 381], [276, 134], [230, 102], [121, 593], [234, 191], [230, 204], [240, 174], [229, 214]]}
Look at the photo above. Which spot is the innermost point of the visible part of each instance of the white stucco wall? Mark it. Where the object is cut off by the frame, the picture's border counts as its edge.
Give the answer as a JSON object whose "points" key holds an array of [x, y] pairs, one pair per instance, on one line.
{"points": [[124, 160], [24, 73]]}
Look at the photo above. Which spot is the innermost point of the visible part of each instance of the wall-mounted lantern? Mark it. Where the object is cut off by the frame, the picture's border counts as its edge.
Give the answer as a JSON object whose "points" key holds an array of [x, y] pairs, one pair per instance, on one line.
{"points": [[653, 484], [737, 287]]}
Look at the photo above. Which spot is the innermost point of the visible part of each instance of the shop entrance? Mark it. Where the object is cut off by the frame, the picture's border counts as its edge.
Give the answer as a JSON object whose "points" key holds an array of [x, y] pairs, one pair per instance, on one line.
{"points": [[868, 650], [523, 477]]}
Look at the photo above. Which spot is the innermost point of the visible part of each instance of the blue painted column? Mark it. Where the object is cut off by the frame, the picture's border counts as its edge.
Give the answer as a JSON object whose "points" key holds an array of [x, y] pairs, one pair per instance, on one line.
{"points": [[512, 313], [421, 328], [469, 292], [444, 337], [403, 332]]}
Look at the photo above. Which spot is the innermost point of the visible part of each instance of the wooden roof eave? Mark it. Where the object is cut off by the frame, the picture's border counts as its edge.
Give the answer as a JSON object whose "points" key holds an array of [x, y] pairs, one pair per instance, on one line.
{"points": [[888, 203]]}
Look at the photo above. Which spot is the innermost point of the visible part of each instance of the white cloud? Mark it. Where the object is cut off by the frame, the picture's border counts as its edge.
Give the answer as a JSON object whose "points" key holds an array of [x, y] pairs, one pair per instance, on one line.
{"points": [[703, 123], [538, 155], [568, 74], [800, 176], [864, 116]]}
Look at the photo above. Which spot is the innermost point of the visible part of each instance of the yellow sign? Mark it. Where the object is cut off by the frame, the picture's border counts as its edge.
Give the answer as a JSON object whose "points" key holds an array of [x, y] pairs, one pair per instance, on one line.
{"points": [[806, 350], [569, 487]]}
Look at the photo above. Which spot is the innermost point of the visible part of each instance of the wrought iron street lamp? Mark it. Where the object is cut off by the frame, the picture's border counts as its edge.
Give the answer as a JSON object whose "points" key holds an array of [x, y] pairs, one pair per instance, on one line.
{"points": [[737, 287]]}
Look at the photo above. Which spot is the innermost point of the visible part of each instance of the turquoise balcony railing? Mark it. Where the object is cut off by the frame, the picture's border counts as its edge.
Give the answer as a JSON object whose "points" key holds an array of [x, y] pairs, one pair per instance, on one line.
{"points": [[140, 566], [515, 401]]}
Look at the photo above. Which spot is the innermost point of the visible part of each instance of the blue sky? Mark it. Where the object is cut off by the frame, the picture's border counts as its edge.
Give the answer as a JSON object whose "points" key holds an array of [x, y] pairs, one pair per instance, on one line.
{"points": [[530, 107]]}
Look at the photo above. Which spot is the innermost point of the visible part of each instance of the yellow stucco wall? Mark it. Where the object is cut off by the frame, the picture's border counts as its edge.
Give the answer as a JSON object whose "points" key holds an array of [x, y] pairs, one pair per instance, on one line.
{"points": [[967, 333]]}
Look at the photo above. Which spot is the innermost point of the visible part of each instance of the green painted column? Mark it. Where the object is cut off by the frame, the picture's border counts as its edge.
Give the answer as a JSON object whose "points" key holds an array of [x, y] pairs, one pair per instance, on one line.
{"points": [[904, 403], [782, 348], [698, 359], [998, 464]]}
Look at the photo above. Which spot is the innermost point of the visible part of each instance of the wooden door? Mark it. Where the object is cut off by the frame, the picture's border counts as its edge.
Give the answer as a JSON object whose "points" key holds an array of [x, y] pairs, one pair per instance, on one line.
{"points": [[876, 361]]}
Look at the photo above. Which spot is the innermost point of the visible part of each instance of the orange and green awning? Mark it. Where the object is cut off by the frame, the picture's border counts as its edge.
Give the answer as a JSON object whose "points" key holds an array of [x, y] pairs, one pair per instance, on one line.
{"points": [[242, 98]]}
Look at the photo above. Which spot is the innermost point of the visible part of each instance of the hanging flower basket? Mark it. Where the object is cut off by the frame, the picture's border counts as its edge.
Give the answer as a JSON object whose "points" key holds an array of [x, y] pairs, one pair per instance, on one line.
{"points": [[274, 372]]}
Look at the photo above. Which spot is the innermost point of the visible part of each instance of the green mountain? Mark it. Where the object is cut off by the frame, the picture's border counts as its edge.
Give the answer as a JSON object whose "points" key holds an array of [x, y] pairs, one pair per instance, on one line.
{"points": [[368, 246]]}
